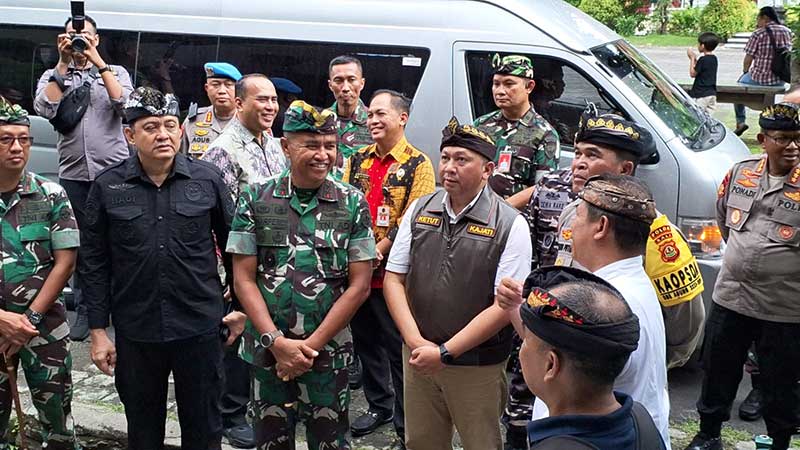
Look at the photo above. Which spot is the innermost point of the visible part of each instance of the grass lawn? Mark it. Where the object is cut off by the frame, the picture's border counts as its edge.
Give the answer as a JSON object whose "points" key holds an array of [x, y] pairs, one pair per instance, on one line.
{"points": [[663, 40]]}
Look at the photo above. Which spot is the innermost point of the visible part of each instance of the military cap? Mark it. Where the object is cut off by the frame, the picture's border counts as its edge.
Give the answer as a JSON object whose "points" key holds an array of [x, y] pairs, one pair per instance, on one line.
{"points": [[146, 101], [607, 192], [469, 137], [13, 114], [780, 116], [286, 85], [301, 117], [616, 132], [222, 70], [517, 65]]}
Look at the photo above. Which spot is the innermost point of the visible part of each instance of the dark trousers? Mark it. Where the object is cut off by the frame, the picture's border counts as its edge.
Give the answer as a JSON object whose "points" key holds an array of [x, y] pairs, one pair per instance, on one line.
{"points": [[78, 193], [379, 346], [728, 336], [142, 374], [236, 394]]}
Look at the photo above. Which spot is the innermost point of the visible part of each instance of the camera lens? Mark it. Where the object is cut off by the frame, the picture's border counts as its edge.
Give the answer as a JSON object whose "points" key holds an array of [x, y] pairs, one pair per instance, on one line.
{"points": [[79, 43]]}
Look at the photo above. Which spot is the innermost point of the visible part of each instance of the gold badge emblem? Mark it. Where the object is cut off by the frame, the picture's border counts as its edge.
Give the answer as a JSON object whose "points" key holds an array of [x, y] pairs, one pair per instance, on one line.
{"points": [[566, 233], [736, 216], [786, 231], [793, 195], [200, 132]]}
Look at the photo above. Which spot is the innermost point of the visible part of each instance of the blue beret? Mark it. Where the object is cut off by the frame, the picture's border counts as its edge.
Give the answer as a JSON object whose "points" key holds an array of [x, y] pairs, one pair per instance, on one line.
{"points": [[286, 85], [222, 70]]}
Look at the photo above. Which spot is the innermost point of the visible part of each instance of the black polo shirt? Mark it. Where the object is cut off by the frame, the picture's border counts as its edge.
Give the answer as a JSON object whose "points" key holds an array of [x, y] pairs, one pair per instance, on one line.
{"points": [[148, 254]]}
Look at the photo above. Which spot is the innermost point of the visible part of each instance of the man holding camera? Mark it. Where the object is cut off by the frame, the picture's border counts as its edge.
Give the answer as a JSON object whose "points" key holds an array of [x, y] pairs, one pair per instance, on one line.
{"points": [[83, 97]]}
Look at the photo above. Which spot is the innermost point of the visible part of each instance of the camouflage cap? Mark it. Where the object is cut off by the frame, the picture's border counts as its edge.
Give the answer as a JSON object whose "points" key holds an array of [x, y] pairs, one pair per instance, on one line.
{"points": [[13, 114], [780, 116], [146, 102], [304, 118], [616, 132], [469, 137], [608, 193], [517, 65]]}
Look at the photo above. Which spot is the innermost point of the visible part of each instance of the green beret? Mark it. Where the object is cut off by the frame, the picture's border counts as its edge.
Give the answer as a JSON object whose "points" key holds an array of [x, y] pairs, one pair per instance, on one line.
{"points": [[517, 65], [301, 117], [13, 114], [781, 116]]}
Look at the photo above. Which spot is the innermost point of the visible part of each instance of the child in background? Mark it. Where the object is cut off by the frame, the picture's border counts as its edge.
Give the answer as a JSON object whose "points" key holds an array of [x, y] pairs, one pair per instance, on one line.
{"points": [[704, 71]]}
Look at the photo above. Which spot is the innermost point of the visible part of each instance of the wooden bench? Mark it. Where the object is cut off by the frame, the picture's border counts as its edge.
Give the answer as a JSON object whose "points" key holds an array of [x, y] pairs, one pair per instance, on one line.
{"points": [[754, 97]]}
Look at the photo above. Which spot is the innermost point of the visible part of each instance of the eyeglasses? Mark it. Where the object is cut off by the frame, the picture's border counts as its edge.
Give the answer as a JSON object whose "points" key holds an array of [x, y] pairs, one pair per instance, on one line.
{"points": [[784, 141], [8, 141]]}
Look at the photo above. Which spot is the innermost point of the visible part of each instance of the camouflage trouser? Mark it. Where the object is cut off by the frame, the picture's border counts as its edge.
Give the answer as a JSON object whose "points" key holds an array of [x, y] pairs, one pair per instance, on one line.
{"points": [[317, 398], [48, 373], [519, 408]]}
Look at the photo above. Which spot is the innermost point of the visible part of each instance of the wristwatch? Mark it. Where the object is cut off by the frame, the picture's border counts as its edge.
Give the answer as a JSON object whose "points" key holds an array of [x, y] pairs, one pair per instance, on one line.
{"points": [[445, 355], [58, 80], [103, 70], [267, 339], [34, 317]]}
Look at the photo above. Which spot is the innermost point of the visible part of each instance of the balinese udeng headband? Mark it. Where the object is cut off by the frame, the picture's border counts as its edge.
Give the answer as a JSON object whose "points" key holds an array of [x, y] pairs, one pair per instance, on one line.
{"points": [[601, 193], [469, 137], [555, 323], [146, 102], [11, 114]]}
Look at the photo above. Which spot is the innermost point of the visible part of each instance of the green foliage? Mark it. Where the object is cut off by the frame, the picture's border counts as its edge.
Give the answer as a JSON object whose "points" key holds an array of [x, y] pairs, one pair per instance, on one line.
{"points": [[793, 22], [726, 17], [685, 21], [628, 23], [607, 12], [661, 15], [573, 2]]}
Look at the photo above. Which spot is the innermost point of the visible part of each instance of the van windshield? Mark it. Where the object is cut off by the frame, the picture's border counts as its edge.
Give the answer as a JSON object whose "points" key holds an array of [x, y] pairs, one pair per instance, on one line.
{"points": [[652, 86]]}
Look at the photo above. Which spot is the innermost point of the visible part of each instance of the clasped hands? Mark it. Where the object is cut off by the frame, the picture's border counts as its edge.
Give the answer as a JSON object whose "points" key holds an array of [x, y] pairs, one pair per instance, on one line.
{"points": [[293, 357]]}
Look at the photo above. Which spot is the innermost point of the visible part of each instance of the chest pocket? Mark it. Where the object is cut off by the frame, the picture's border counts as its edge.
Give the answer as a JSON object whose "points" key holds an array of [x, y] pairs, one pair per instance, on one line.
{"points": [[784, 223], [738, 211], [35, 237], [193, 221], [126, 223], [331, 251], [272, 240]]}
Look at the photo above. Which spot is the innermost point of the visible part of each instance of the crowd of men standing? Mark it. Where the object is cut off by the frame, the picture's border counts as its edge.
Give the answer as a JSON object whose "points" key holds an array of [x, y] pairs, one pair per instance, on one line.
{"points": [[261, 272]]}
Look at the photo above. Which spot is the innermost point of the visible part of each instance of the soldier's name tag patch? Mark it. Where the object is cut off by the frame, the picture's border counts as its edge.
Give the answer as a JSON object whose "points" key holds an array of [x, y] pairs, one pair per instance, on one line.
{"points": [[553, 201], [33, 212], [428, 220], [481, 231], [504, 162], [383, 218]]}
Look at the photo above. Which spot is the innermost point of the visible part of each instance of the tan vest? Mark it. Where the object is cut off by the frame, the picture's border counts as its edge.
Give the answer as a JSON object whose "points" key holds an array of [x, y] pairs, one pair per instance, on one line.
{"points": [[452, 271]]}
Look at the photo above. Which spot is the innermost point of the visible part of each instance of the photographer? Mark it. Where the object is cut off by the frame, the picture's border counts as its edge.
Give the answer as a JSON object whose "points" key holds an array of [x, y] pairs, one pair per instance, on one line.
{"points": [[83, 97]]}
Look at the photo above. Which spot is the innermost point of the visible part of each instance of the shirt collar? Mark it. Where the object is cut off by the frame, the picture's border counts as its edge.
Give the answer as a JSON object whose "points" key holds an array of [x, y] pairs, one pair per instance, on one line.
{"points": [[397, 152], [621, 267], [245, 134], [359, 116], [456, 217], [528, 119], [327, 192], [27, 185], [581, 424], [133, 168]]}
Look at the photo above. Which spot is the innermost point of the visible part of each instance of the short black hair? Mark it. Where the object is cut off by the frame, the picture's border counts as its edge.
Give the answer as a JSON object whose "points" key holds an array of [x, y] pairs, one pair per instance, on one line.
{"points": [[86, 18], [240, 89], [400, 102], [599, 305], [709, 40], [345, 59], [629, 234], [769, 12]]}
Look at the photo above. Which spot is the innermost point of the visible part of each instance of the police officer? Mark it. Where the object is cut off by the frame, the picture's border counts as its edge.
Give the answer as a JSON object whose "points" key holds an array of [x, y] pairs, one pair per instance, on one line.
{"points": [[203, 125], [303, 250], [527, 146], [38, 249], [154, 223], [346, 81], [755, 298]]}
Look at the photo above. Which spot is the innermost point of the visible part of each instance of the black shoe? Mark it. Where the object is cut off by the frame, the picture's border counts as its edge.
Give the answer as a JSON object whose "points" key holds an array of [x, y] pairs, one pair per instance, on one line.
{"points": [[79, 330], [703, 442], [752, 407], [354, 374], [740, 129], [241, 436], [369, 422]]}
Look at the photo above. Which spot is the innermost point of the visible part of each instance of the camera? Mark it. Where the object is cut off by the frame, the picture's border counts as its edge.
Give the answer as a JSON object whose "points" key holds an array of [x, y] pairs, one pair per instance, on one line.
{"points": [[78, 19]]}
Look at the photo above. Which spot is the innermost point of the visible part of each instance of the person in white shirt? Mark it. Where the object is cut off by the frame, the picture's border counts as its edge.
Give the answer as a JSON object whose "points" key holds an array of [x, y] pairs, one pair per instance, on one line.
{"points": [[609, 235]]}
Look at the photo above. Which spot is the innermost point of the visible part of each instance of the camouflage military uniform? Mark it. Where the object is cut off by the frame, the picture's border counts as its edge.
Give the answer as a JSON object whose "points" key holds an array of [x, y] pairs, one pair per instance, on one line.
{"points": [[353, 134], [532, 147], [303, 255], [200, 129], [35, 221]]}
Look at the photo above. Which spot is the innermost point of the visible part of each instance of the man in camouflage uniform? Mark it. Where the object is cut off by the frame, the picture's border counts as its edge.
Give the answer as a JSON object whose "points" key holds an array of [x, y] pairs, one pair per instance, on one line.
{"points": [[346, 80], [38, 247], [303, 250], [527, 146], [203, 125]]}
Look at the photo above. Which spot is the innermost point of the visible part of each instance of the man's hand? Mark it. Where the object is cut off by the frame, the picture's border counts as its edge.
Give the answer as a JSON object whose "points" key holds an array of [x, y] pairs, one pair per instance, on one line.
{"points": [[64, 44], [421, 342], [7, 348], [104, 354], [690, 53], [235, 322], [426, 360], [15, 329], [294, 357], [509, 294], [91, 52]]}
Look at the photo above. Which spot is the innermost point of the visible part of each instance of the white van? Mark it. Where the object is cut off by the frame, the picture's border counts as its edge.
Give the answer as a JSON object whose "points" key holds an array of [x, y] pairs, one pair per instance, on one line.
{"points": [[437, 52]]}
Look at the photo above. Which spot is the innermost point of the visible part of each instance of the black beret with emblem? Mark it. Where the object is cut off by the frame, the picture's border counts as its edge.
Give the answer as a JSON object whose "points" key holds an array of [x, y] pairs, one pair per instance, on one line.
{"points": [[780, 116], [615, 194], [146, 102], [615, 132], [469, 137]]}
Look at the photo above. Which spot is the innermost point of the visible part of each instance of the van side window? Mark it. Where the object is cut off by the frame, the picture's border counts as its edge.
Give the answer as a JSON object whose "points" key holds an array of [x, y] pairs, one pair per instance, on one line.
{"points": [[560, 95], [173, 63], [306, 64], [25, 53]]}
